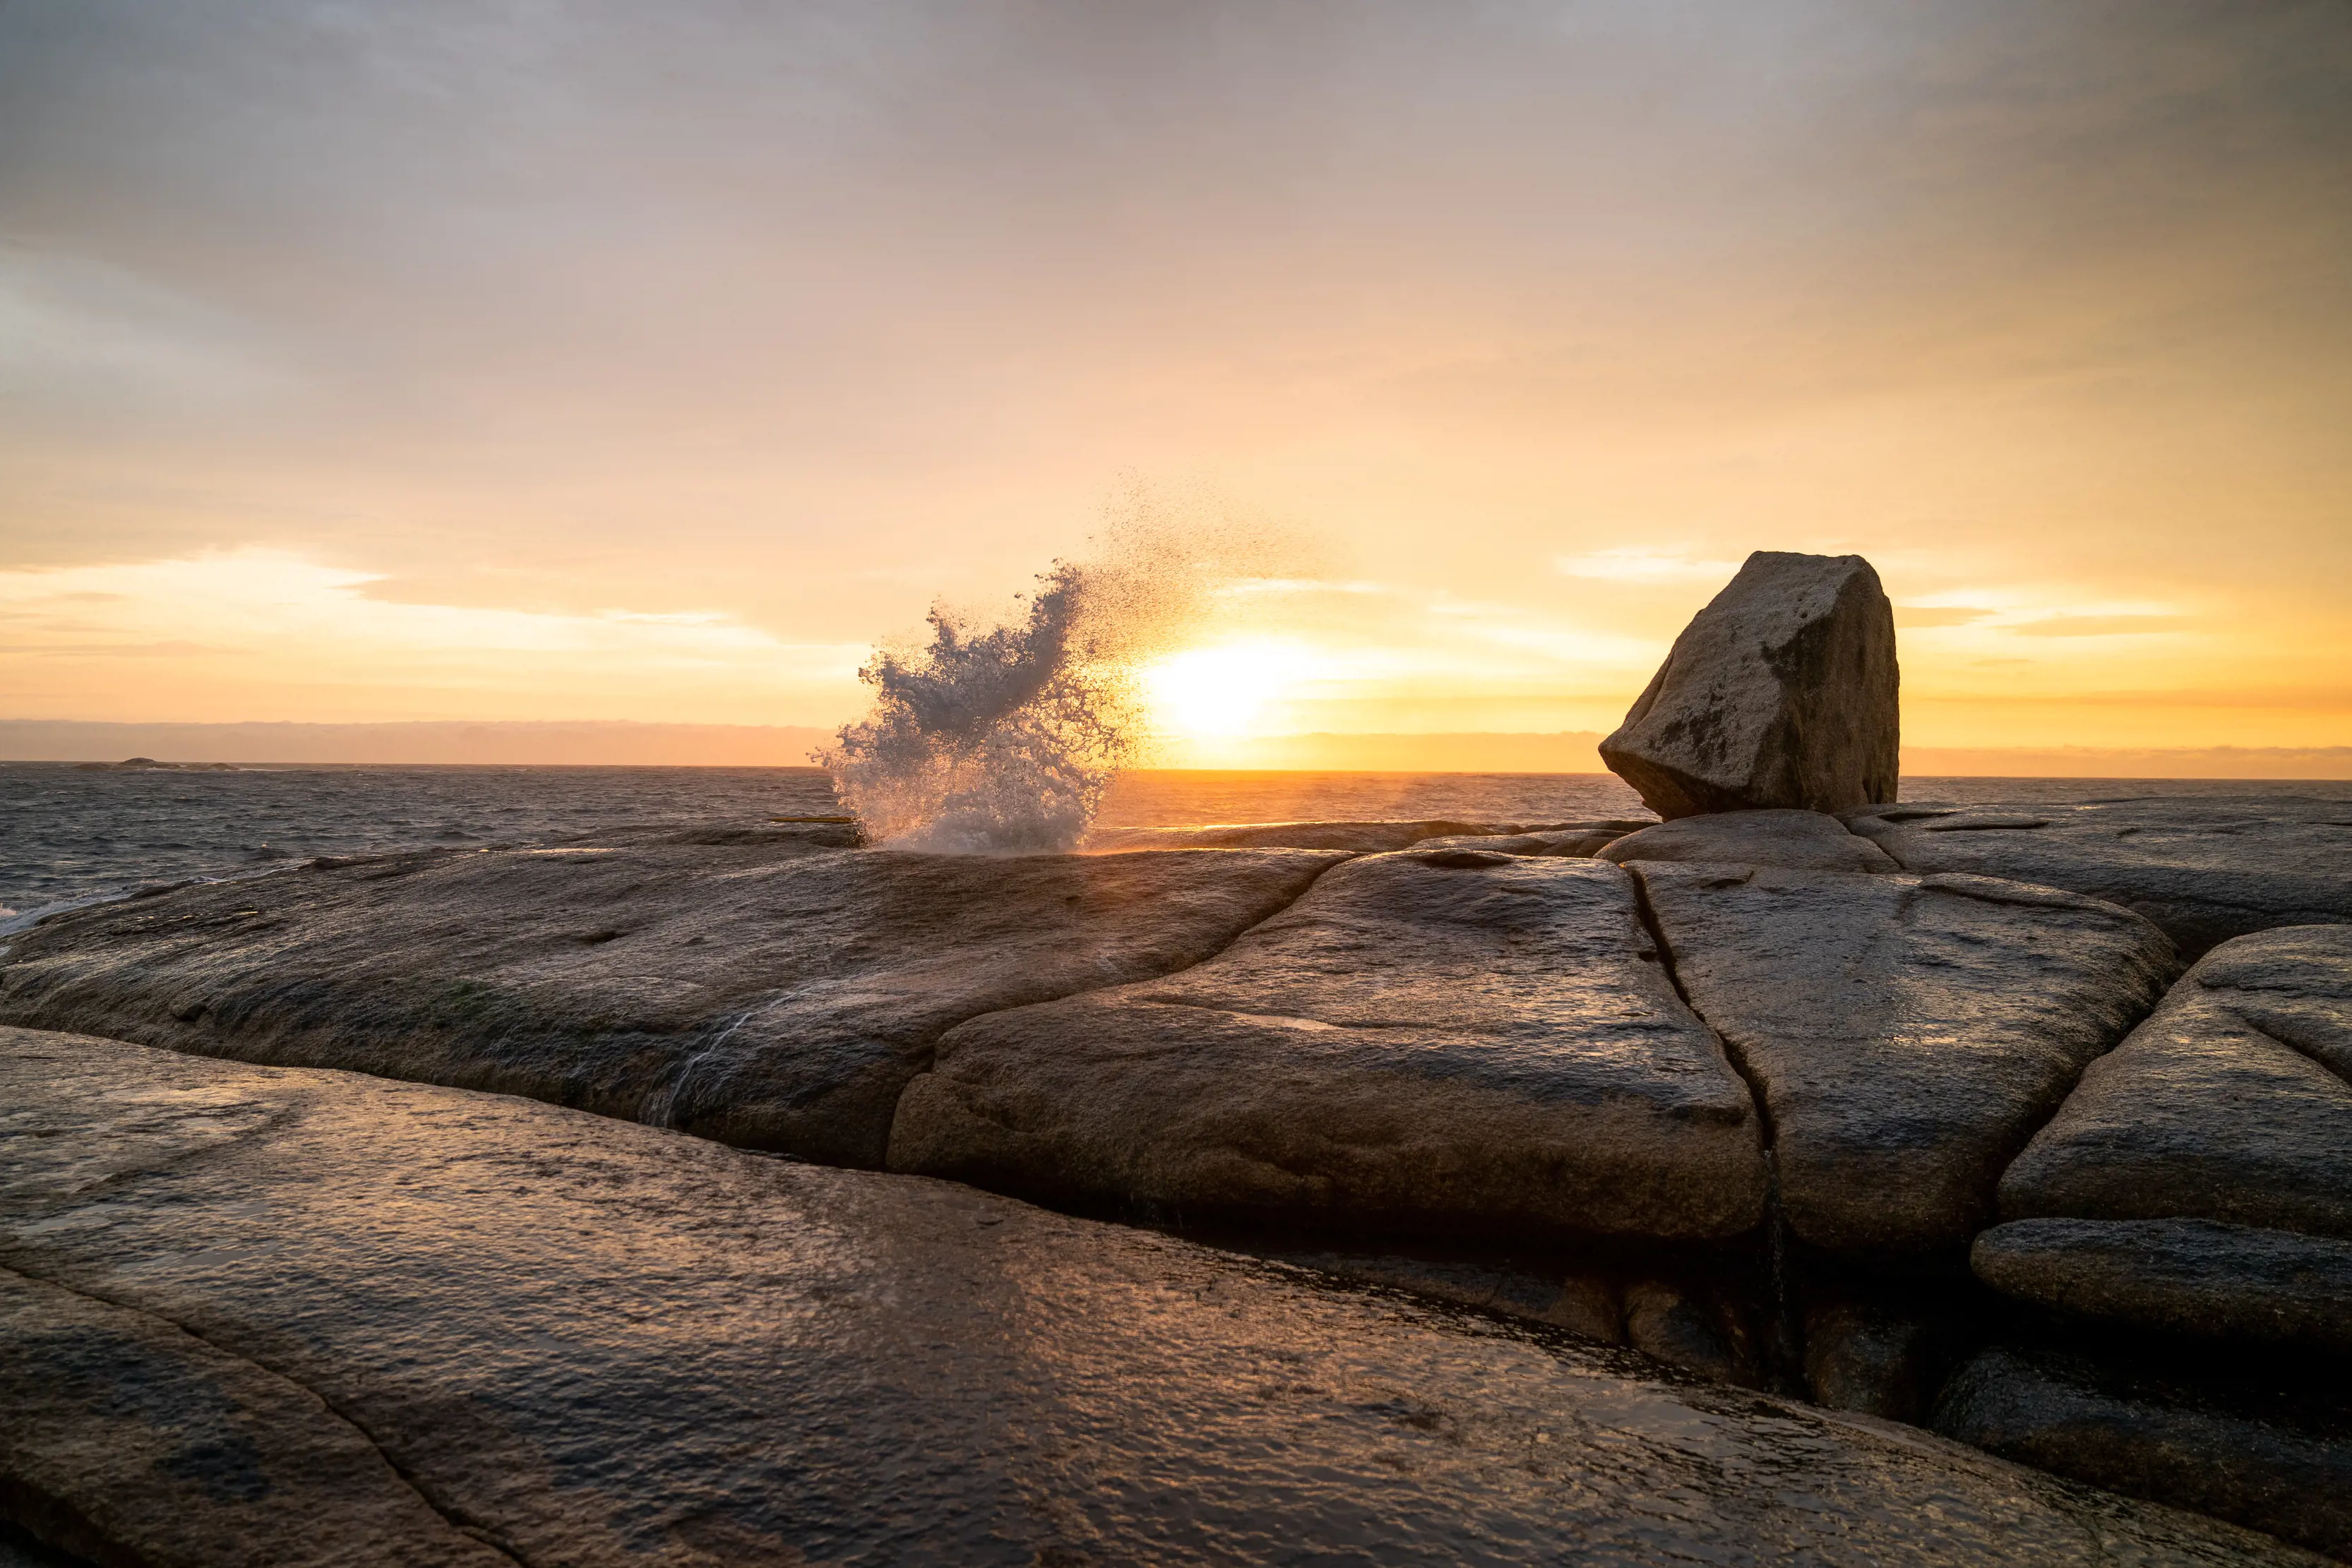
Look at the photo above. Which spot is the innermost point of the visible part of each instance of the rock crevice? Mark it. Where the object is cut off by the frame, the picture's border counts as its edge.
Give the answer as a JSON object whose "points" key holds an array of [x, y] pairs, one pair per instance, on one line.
{"points": [[627, 1348], [92, 1536], [1453, 1039]]}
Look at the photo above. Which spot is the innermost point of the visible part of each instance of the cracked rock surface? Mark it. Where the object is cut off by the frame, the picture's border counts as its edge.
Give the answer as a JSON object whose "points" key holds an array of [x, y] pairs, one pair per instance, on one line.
{"points": [[1908, 1034], [2203, 868], [2230, 1104], [774, 992], [482, 1325], [126, 1434], [1448, 1038]]}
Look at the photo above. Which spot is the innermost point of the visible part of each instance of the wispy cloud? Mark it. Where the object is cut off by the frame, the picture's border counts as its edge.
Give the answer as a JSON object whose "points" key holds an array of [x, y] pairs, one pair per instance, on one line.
{"points": [[1640, 565], [1923, 617], [314, 628], [2102, 625]]}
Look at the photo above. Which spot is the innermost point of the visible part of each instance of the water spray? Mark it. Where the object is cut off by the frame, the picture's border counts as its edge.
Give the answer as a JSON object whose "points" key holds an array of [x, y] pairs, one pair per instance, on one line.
{"points": [[1003, 738]]}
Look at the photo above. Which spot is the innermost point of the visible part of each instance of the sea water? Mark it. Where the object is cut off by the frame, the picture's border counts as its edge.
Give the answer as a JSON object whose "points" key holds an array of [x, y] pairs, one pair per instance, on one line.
{"points": [[70, 835]]}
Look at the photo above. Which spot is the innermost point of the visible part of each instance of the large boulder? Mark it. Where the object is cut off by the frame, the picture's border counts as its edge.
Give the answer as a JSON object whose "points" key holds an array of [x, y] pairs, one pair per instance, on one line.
{"points": [[1799, 841], [2231, 1103], [1780, 693], [774, 993], [2204, 868], [1908, 1034], [311, 1317], [1450, 1040]]}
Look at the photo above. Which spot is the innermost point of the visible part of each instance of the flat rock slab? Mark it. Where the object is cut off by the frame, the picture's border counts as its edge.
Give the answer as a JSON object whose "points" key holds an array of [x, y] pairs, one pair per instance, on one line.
{"points": [[2204, 868], [2232, 1102], [1908, 1034], [1448, 1038], [1798, 841], [1780, 694], [584, 1341], [1581, 841], [2062, 1413], [1356, 838], [773, 994], [2178, 1276], [125, 1430]]}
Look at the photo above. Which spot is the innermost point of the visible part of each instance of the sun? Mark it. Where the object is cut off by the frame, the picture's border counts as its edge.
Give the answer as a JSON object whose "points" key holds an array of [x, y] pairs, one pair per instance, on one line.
{"points": [[1218, 693]]}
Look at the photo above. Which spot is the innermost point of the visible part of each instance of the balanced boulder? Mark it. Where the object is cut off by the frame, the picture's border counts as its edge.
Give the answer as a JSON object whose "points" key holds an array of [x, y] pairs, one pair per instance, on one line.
{"points": [[1908, 1034], [1447, 1041], [772, 994], [1780, 694]]}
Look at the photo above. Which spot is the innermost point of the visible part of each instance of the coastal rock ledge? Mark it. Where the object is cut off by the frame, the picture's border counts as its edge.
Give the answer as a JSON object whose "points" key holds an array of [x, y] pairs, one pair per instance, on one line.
{"points": [[1906, 1108], [296, 1317]]}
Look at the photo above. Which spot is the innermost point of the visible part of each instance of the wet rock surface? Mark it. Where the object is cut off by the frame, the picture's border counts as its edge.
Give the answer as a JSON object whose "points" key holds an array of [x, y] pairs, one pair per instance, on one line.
{"points": [[1869, 1350], [1586, 1303], [2227, 1104], [580, 1341], [1585, 839], [2230, 1282], [2204, 868], [1797, 841], [1703, 1330], [1781, 694], [2229, 1452], [127, 1437], [1907, 1034], [1445, 1039], [775, 992]]}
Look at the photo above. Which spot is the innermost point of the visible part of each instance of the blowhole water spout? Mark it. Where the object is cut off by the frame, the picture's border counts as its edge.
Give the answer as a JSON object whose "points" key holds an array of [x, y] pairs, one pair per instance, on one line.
{"points": [[1003, 738]]}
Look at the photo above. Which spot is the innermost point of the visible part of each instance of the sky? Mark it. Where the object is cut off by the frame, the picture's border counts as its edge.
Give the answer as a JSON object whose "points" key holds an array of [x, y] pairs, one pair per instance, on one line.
{"points": [[546, 361]]}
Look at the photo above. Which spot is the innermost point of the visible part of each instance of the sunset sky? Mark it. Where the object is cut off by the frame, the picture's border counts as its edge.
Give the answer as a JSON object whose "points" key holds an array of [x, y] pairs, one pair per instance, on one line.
{"points": [[561, 361]]}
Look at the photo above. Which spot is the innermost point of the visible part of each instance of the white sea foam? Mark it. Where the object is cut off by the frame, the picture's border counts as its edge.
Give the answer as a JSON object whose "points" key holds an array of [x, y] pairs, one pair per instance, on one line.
{"points": [[1001, 738]]}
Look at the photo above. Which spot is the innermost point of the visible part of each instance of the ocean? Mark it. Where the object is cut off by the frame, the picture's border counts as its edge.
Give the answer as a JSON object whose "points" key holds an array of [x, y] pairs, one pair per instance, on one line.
{"points": [[71, 836]]}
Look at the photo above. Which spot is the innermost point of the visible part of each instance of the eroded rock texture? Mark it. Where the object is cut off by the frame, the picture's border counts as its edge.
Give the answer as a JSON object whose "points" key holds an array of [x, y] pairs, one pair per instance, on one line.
{"points": [[769, 993], [1586, 838], [2203, 868], [2230, 1104], [1908, 1034], [1448, 1039], [2231, 1282], [1780, 693], [2153, 1437], [127, 1437], [1797, 841], [583, 1342]]}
